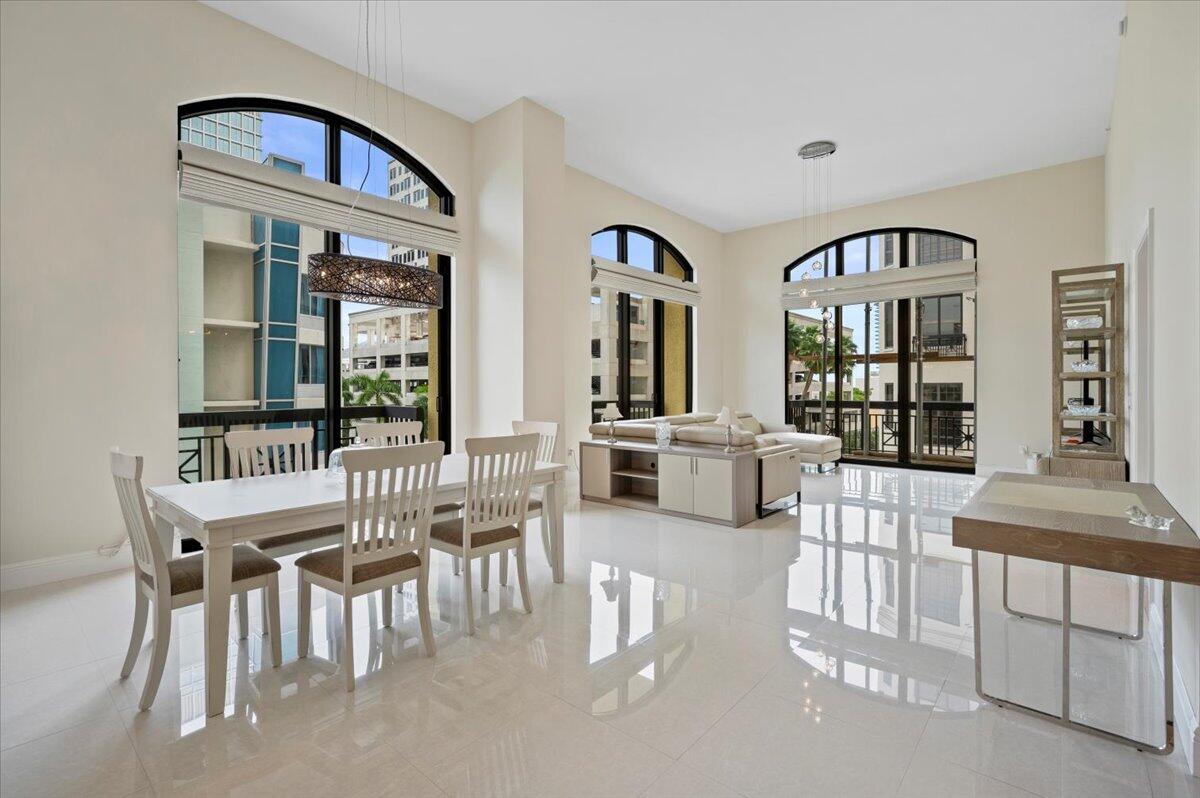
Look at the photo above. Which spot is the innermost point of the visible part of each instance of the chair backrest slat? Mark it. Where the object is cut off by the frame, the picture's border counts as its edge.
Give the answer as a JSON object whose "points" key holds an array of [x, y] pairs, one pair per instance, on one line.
{"points": [[499, 472], [148, 556], [547, 432], [389, 433], [260, 452], [389, 501]]}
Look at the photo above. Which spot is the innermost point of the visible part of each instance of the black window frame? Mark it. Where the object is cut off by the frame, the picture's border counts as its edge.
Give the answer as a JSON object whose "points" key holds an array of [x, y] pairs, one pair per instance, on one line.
{"points": [[624, 341], [903, 334], [335, 124]]}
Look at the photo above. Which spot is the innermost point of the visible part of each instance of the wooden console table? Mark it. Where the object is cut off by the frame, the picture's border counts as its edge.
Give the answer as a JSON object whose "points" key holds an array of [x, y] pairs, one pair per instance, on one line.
{"points": [[1080, 522], [701, 482]]}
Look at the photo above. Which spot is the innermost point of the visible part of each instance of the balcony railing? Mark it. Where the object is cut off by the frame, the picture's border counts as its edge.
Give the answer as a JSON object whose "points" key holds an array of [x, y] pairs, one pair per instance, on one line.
{"points": [[942, 345], [638, 409], [947, 428], [202, 454]]}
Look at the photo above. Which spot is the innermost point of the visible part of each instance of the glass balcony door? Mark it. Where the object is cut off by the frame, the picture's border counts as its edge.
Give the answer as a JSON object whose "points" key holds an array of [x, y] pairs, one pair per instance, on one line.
{"points": [[895, 378]]}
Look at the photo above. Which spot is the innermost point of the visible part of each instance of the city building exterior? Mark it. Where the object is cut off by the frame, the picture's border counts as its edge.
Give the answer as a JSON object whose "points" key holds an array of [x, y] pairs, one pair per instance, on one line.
{"points": [[387, 339], [605, 340], [251, 336], [392, 340]]}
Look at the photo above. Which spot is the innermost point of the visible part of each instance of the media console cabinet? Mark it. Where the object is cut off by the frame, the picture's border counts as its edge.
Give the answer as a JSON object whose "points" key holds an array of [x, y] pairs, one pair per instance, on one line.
{"points": [[701, 482]]}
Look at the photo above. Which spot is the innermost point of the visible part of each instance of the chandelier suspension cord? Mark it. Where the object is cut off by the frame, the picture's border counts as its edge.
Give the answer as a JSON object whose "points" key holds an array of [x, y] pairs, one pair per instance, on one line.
{"points": [[370, 106]]}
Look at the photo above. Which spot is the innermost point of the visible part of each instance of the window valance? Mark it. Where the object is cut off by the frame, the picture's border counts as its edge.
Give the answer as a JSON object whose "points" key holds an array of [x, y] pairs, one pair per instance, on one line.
{"points": [[953, 277], [632, 280], [216, 178]]}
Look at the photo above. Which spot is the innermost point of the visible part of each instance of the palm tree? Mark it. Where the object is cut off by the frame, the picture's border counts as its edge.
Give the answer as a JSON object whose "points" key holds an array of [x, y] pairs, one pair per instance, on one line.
{"points": [[804, 348], [363, 390]]}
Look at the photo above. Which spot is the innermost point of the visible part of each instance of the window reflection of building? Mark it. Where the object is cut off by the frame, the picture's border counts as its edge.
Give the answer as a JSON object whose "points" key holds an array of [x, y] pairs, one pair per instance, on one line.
{"points": [[895, 531]]}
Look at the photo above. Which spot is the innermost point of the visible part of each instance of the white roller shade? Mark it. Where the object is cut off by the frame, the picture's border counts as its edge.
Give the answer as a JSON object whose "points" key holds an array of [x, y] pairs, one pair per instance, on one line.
{"points": [[953, 277], [632, 280], [216, 178]]}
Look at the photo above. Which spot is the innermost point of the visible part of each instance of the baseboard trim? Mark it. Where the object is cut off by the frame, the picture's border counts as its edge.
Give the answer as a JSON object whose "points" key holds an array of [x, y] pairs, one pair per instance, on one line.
{"points": [[32, 573], [1187, 720]]}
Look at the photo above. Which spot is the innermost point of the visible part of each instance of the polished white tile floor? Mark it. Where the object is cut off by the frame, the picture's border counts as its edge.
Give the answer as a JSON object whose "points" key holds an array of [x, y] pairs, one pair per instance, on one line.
{"points": [[824, 651]]}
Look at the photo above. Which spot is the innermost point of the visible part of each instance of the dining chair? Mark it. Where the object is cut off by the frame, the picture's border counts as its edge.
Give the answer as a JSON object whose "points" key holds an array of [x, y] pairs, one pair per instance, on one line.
{"points": [[547, 432], [499, 471], [262, 452], [402, 433], [389, 508], [172, 584], [389, 433]]}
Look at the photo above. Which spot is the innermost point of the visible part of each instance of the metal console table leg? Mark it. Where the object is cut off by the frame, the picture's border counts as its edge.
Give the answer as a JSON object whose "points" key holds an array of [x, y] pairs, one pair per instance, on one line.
{"points": [[1141, 611], [1064, 717]]}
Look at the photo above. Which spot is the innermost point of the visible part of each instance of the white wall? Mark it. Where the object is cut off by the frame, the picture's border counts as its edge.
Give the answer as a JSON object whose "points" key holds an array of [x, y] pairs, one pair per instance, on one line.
{"points": [[88, 198], [498, 310], [595, 205], [1026, 224], [1153, 161]]}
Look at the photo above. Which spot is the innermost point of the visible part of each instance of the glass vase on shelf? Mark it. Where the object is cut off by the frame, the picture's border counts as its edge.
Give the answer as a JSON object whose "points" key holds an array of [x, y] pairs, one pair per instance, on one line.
{"points": [[662, 434]]}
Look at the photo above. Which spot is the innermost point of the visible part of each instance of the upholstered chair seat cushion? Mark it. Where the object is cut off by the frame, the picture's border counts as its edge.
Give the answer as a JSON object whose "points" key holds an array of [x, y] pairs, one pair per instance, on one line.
{"points": [[292, 538], [328, 563], [187, 573], [450, 532]]}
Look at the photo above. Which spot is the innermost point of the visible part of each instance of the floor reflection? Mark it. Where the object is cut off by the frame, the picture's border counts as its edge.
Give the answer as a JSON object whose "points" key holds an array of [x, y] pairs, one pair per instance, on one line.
{"points": [[749, 656]]}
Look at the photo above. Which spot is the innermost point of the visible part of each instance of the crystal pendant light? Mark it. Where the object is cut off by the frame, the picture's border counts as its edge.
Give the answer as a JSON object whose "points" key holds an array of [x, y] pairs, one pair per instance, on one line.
{"points": [[373, 281]]}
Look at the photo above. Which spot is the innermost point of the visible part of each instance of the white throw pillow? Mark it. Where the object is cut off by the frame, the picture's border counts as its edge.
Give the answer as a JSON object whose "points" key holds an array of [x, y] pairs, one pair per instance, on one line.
{"points": [[726, 418]]}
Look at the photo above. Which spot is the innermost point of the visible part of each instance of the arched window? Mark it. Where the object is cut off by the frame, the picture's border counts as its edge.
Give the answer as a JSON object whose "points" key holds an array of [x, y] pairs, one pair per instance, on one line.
{"points": [[641, 347], [893, 378], [267, 344]]}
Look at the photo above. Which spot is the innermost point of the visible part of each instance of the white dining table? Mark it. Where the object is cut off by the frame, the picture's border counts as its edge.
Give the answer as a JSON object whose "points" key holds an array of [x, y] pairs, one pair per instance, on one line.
{"points": [[222, 513]]}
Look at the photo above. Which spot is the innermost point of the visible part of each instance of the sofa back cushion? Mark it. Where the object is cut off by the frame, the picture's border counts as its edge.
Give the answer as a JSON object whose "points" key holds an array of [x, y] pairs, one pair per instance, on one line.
{"points": [[712, 434], [748, 422]]}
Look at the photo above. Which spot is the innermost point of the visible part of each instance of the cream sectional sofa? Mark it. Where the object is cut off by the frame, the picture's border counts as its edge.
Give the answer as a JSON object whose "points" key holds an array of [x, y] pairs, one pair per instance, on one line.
{"points": [[701, 429]]}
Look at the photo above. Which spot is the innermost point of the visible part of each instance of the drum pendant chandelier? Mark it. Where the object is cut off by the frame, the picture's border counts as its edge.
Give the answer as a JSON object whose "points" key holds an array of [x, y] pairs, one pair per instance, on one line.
{"points": [[373, 281], [347, 277]]}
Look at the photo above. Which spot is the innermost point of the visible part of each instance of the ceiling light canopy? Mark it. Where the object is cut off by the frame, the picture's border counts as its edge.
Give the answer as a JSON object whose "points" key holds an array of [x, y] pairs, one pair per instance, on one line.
{"points": [[817, 149]]}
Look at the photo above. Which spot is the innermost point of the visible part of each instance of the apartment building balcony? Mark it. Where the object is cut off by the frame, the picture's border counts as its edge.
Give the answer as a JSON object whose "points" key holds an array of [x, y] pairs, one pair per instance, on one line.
{"points": [[946, 430], [638, 408], [202, 453], [942, 345]]}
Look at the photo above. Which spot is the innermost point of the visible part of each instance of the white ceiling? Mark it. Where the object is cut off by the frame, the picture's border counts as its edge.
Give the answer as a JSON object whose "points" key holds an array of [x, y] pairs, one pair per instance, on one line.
{"points": [[700, 106]]}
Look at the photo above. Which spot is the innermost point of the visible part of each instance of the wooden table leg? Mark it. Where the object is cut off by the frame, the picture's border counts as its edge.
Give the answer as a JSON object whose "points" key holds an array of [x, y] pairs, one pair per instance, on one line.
{"points": [[218, 571]]}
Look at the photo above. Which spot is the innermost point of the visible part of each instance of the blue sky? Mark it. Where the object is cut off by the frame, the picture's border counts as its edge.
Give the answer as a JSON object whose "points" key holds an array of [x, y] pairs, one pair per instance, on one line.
{"points": [[304, 140]]}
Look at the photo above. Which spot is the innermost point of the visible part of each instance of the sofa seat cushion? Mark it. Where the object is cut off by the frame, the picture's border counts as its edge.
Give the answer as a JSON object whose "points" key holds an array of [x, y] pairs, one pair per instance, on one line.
{"points": [[712, 435], [809, 443], [763, 441]]}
